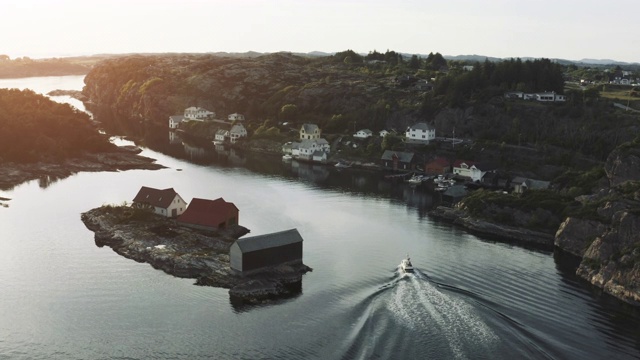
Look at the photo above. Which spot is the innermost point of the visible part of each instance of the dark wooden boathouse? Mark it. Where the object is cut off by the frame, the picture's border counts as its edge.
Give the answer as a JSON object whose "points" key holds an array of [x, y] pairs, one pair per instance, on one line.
{"points": [[252, 254]]}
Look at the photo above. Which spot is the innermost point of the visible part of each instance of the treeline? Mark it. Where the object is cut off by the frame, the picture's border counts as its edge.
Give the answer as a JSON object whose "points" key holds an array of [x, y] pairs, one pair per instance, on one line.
{"points": [[34, 128], [489, 79], [27, 67]]}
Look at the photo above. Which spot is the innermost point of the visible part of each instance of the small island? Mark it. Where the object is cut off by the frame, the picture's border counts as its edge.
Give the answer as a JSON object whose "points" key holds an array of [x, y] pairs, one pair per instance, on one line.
{"points": [[208, 256]]}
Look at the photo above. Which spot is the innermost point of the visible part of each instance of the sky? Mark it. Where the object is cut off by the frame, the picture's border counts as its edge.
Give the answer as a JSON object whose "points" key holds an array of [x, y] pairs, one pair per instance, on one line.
{"points": [[565, 29]]}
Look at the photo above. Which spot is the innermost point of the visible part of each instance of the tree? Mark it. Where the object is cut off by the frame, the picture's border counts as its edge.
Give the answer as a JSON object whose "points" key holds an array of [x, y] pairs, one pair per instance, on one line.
{"points": [[288, 112], [414, 62]]}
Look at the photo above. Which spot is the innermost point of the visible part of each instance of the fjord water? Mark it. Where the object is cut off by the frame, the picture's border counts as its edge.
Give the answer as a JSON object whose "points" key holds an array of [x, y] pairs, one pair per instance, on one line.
{"points": [[62, 297]]}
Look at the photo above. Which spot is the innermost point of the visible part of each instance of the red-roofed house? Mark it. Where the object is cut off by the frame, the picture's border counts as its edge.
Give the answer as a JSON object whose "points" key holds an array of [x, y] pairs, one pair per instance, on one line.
{"points": [[165, 202], [206, 214]]}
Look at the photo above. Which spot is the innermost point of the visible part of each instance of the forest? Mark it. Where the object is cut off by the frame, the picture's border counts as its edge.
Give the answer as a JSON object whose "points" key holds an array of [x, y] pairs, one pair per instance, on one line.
{"points": [[35, 128]]}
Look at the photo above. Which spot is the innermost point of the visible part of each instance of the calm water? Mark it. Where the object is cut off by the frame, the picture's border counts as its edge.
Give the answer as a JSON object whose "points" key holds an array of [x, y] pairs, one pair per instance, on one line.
{"points": [[62, 297]]}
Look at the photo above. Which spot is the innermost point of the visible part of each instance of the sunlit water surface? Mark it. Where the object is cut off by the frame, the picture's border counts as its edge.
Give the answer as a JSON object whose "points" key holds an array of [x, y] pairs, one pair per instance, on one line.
{"points": [[62, 297]]}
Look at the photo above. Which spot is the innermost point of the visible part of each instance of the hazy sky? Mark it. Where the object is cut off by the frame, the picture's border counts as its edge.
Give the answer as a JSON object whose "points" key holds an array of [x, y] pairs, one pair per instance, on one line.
{"points": [[568, 29]]}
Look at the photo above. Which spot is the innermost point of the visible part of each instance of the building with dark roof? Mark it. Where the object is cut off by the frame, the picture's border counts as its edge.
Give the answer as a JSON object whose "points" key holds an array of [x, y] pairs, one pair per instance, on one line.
{"points": [[165, 202], [252, 254], [209, 215], [397, 160]]}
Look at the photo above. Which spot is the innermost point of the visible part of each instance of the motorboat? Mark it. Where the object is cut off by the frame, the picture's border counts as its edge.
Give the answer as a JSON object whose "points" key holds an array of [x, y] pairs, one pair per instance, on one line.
{"points": [[416, 179], [342, 165], [406, 265], [287, 157]]}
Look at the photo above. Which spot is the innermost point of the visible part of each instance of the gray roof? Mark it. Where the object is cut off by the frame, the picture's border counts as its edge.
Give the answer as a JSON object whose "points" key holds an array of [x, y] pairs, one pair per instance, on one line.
{"points": [[421, 126], [531, 183], [222, 132], [177, 118], [402, 156], [456, 191], [267, 241], [309, 128]]}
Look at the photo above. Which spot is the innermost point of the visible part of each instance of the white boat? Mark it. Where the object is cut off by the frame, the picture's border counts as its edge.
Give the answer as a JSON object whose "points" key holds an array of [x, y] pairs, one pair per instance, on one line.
{"points": [[416, 179], [406, 265], [342, 165], [287, 157]]}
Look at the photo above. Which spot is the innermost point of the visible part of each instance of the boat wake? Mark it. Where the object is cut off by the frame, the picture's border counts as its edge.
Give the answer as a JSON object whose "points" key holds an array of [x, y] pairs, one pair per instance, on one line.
{"points": [[411, 316]]}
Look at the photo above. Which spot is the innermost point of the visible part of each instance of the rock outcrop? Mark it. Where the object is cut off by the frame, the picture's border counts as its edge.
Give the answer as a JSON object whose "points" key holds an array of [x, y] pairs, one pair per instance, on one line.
{"points": [[184, 252], [505, 233], [12, 174], [609, 242]]}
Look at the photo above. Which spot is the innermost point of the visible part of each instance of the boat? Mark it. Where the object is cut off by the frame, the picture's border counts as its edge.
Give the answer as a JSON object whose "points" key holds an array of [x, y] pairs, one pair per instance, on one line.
{"points": [[406, 265], [416, 179], [342, 165], [286, 157]]}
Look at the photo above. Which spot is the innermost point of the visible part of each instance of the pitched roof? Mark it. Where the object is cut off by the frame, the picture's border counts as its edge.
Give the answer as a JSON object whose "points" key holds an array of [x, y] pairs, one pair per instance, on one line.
{"points": [[155, 197], [309, 128], [420, 126], [267, 241], [206, 212], [366, 131], [177, 118], [402, 156]]}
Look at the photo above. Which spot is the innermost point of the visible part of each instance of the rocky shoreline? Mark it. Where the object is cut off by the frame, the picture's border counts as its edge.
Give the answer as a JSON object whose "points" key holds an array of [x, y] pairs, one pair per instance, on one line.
{"points": [[187, 253], [525, 237], [13, 174]]}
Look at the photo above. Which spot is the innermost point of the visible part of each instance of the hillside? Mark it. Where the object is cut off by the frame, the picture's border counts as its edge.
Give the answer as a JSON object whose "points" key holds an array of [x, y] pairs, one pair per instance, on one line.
{"points": [[343, 93]]}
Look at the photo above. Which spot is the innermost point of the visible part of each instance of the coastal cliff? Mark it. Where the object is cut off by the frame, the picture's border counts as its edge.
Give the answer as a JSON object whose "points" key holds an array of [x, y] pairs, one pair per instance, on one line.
{"points": [[183, 252], [609, 242]]}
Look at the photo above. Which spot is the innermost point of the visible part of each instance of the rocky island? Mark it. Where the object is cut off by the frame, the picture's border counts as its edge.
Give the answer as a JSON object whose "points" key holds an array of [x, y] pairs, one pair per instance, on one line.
{"points": [[184, 252]]}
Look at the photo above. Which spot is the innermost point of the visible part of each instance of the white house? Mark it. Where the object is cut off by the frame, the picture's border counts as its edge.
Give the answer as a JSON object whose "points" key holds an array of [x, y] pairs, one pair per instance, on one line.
{"points": [[420, 133], [235, 116], [174, 121], [306, 148], [310, 131], [363, 134], [237, 131], [319, 156], [198, 114], [471, 170], [383, 133], [221, 135], [165, 202], [550, 97]]}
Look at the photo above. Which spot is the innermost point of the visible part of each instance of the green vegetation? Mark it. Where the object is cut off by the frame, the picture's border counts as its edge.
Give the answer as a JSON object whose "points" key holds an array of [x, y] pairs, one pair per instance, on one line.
{"points": [[34, 128]]}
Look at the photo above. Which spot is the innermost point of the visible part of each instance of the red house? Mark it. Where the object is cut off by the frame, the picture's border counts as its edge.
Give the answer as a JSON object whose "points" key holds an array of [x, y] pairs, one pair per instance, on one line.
{"points": [[206, 214], [438, 166]]}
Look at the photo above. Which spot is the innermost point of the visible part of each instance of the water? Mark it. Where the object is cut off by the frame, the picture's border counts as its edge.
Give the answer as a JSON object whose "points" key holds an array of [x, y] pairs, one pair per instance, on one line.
{"points": [[62, 297]]}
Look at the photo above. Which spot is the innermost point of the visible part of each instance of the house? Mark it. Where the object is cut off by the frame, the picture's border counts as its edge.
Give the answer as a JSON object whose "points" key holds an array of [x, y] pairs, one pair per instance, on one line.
{"points": [[363, 134], [163, 202], [471, 170], [420, 133], [198, 114], [310, 132], [175, 120], [319, 156], [383, 133], [550, 97], [521, 184], [438, 166], [424, 85], [288, 147], [203, 214], [306, 148], [514, 95], [256, 253], [237, 131], [397, 160], [235, 117], [221, 135]]}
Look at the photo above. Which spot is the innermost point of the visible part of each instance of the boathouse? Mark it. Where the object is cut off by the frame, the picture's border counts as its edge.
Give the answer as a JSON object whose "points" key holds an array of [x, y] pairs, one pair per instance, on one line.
{"points": [[252, 254], [203, 214], [165, 202], [397, 160]]}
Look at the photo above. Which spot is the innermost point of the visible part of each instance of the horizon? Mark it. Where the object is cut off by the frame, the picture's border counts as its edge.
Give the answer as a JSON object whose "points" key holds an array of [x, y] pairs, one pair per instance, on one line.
{"points": [[574, 30]]}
